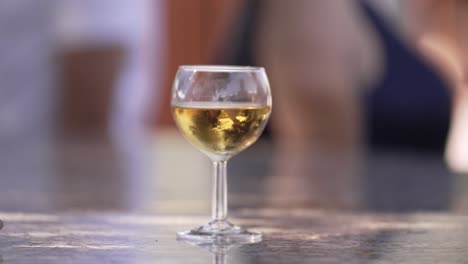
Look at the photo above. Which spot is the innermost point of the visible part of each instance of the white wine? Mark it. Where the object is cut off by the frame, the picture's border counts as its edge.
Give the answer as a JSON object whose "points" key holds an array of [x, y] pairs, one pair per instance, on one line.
{"points": [[221, 130]]}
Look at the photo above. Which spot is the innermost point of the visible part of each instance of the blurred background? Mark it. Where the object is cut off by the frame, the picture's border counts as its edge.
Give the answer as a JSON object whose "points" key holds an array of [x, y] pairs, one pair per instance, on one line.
{"points": [[370, 108]]}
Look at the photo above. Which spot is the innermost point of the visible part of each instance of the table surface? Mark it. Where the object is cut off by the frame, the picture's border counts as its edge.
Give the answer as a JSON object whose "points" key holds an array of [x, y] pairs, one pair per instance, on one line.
{"points": [[290, 236], [90, 207]]}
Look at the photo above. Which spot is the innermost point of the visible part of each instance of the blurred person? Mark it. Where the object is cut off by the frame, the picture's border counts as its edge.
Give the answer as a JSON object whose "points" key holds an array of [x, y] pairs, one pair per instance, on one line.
{"points": [[108, 72], [26, 71], [319, 56], [408, 115], [27, 101], [76, 75], [405, 110], [438, 30], [107, 35], [345, 83], [41, 33]]}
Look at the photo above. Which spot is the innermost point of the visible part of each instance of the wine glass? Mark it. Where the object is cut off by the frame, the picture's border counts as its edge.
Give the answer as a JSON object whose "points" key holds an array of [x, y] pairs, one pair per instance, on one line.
{"points": [[221, 110]]}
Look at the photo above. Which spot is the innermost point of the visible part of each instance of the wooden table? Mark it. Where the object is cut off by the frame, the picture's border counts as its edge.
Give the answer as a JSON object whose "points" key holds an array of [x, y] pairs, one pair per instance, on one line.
{"points": [[295, 236], [84, 209]]}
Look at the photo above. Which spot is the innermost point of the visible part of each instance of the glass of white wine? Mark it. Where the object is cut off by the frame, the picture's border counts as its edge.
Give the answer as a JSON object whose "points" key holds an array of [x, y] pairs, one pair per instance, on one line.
{"points": [[221, 110]]}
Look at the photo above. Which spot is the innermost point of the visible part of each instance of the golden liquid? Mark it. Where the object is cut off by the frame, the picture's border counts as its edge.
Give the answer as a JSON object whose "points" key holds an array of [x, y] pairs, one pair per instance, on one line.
{"points": [[222, 131]]}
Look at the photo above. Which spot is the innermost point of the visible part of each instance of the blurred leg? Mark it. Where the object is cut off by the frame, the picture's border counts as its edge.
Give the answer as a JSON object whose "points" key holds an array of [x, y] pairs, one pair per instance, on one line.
{"points": [[317, 54], [439, 30]]}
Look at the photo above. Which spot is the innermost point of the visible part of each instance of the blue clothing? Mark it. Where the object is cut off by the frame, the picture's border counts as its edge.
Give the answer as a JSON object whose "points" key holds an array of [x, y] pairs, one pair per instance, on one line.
{"points": [[409, 108]]}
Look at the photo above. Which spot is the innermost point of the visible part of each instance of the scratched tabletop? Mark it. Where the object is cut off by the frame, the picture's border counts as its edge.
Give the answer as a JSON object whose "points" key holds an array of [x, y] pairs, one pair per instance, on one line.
{"points": [[295, 236], [89, 203]]}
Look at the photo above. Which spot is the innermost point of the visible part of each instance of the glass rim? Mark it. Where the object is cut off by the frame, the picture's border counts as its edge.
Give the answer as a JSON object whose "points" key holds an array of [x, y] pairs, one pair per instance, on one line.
{"points": [[221, 68]]}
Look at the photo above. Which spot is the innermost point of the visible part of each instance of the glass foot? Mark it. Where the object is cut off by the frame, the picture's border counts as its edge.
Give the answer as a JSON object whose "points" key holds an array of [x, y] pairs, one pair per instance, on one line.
{"points": [[219, 232]]}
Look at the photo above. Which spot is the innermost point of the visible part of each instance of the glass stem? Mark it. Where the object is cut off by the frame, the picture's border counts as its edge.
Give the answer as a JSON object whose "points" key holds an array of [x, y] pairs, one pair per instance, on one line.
{"points": [[219, 200]]}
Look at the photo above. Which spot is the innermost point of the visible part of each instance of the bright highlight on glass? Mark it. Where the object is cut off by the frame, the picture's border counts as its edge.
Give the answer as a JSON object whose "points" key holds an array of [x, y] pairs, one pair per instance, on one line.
{"points": [[221, 110]]}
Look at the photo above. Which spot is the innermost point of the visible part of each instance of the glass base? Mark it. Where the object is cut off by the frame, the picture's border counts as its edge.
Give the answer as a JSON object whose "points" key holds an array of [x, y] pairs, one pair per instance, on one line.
{"points": [[219, 232]]}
